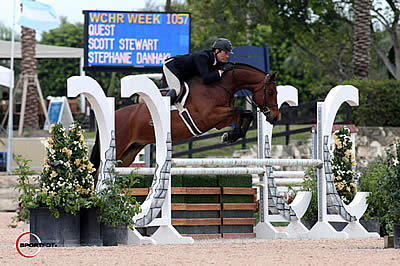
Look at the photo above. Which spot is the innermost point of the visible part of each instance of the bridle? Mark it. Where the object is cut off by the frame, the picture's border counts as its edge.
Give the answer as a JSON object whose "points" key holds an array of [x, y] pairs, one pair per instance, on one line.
{"points": [[265, 109]]}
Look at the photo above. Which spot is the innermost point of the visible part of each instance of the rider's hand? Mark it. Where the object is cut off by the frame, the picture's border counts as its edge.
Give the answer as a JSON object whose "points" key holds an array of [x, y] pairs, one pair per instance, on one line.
{"points": [[220, 72], [227, 67]]}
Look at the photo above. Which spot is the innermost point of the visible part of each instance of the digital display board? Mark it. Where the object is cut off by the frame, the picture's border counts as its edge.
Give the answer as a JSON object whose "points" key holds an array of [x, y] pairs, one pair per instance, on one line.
{"points": [[120, 40]]}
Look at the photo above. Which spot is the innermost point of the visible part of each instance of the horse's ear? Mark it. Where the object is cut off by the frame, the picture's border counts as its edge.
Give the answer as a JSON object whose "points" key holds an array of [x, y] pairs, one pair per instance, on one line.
{"points": [[275, 76]]}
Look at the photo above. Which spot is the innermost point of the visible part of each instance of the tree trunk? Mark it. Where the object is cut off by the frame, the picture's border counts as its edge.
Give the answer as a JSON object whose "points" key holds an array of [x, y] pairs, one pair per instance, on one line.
{"points": [[362, 37], [168, 6], [28, 66]]}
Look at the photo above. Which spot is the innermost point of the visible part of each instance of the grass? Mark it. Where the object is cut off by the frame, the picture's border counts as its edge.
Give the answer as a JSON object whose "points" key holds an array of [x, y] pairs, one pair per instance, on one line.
{"points": [[89, 135]]}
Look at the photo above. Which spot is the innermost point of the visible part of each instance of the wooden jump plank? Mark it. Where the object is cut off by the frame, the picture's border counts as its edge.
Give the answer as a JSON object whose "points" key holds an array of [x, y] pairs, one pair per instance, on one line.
{"points": [[199, 221], [239, 206], [139, 191], [239, 191], [204, 236], [196, 207], [238, 235], [238, 221], [196, 190]]}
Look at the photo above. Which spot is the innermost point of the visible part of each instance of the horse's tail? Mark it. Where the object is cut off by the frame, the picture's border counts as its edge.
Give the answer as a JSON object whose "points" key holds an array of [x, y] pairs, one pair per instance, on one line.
{"points": [[95, 157]]}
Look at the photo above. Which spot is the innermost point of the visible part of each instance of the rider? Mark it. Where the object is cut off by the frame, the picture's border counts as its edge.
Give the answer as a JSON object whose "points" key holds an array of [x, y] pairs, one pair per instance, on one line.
{"points": [[205, 63]]}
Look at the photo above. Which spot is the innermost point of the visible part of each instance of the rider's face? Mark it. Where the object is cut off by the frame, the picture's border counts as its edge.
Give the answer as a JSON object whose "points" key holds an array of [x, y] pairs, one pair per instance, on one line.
{"points": [[222, 56]]}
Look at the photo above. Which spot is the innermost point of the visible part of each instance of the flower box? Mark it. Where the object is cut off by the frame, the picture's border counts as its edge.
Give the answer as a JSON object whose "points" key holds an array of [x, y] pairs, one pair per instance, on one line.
{"points": [[63, 231]]}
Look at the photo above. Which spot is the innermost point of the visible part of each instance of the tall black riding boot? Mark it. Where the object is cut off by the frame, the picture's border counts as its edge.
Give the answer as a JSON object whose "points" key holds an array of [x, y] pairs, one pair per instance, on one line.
{"points": [[172, 96]]}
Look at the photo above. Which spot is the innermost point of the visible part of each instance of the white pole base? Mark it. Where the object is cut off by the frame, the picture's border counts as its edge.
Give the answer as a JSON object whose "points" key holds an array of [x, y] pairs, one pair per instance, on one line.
{"points": [[267, 231], [296, 230], [167, 234], [324, 230], [356, 230], [135, 238]]}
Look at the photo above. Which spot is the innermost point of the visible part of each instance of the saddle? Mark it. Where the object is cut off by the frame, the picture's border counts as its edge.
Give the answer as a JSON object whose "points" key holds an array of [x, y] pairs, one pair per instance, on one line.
{"points": [[183, 112], [183, 91]]}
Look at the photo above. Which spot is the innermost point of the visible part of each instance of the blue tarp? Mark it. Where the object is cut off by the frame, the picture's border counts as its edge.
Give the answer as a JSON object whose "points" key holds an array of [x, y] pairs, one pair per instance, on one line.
{"points": [[251, 55]]}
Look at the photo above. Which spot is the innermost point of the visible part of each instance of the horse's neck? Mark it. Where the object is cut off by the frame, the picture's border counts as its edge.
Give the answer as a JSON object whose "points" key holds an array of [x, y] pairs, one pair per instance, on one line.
{"points": [[242, 79]]}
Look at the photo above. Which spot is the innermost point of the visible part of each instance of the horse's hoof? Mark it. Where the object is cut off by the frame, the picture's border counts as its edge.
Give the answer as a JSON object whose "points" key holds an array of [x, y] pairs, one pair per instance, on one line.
{"points": [[224, 138]]}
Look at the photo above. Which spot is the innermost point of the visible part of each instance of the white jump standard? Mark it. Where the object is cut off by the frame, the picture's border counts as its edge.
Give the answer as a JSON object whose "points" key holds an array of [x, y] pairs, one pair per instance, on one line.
{"points": [[159, 198]]}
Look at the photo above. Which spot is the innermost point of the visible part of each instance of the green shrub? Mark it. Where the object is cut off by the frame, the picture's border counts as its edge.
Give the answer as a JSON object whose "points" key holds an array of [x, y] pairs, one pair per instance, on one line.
{"points": [[310, 184], [382, 179], [116, 207], [371, 180], [378, 104]]}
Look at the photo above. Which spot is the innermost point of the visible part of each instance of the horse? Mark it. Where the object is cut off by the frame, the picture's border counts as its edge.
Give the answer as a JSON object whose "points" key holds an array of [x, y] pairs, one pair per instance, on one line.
{"points": [[211, 106]]}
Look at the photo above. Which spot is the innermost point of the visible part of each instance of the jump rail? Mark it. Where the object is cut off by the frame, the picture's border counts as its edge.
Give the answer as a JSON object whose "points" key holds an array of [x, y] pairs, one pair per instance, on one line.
{"points": [[238, 162], [194, 171]]}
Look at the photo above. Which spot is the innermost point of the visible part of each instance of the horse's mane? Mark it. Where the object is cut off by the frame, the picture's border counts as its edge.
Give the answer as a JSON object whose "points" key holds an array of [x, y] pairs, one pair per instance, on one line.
{"points": [[244, 66]]}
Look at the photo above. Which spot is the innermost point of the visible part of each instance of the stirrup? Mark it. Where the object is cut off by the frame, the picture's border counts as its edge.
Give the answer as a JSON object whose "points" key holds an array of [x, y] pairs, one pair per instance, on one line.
{"points": [[172, 95]]}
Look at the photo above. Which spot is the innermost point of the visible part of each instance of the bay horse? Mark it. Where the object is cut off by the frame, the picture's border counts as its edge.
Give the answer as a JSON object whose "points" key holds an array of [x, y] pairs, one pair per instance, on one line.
{"points": [[211, 106]]}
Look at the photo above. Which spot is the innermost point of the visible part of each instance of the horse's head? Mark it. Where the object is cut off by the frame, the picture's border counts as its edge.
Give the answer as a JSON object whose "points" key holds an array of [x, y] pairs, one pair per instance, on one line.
{"points": [[263, 87], [265, 97]]}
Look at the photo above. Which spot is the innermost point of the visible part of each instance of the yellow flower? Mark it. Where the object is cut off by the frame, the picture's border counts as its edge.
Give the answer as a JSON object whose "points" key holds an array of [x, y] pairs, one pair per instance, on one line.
{"points": [[90, 167], [77, 162], [44, 190], [353, 188], [348, 154], [51, 128], [67, 151], [53, 174], [82, 139], [50, 140], [46, 166], [339, 186]]}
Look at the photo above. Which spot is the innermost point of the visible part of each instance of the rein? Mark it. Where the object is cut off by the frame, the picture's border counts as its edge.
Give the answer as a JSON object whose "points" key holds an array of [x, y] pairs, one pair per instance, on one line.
{"points": [[266, 108]]}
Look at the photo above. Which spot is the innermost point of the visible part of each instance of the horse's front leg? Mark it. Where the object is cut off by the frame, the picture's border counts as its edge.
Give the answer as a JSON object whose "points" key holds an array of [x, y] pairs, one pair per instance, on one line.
{"points": [[240, 129]]}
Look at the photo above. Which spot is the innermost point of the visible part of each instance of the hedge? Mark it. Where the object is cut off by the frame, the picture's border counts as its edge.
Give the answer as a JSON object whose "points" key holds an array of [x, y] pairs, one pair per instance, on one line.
{"points": [[379, 103]]}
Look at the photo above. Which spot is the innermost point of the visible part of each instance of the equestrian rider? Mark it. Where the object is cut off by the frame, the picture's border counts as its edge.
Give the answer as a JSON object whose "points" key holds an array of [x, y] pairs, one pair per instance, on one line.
{"points": [[207, 64]]}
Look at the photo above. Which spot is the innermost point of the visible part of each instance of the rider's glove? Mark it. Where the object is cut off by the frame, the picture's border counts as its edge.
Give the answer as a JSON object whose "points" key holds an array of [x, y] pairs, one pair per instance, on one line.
{"points": [[227, 67]]}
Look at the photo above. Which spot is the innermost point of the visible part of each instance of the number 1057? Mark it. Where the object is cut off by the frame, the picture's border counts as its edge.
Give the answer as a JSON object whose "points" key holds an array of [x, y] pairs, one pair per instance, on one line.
{"points": [[178, 19]]}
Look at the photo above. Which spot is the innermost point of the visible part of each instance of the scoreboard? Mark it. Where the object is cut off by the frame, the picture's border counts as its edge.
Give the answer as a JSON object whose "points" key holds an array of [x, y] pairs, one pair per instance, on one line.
{"points": [[121, 40]]}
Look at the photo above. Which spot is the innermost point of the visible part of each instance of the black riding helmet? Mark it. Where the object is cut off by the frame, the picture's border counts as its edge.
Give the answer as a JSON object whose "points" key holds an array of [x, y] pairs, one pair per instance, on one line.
{"points": [[223, 44]]}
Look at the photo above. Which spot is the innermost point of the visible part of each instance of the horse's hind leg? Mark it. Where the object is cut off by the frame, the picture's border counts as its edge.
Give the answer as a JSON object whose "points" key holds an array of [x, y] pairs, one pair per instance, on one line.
{"points": [[129, 155], [240, 129]]}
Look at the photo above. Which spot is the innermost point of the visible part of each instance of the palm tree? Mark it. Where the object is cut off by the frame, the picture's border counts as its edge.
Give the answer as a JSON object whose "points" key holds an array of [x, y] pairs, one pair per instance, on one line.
{"points": [[28, 67], [362, 37], [389, 17]]}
